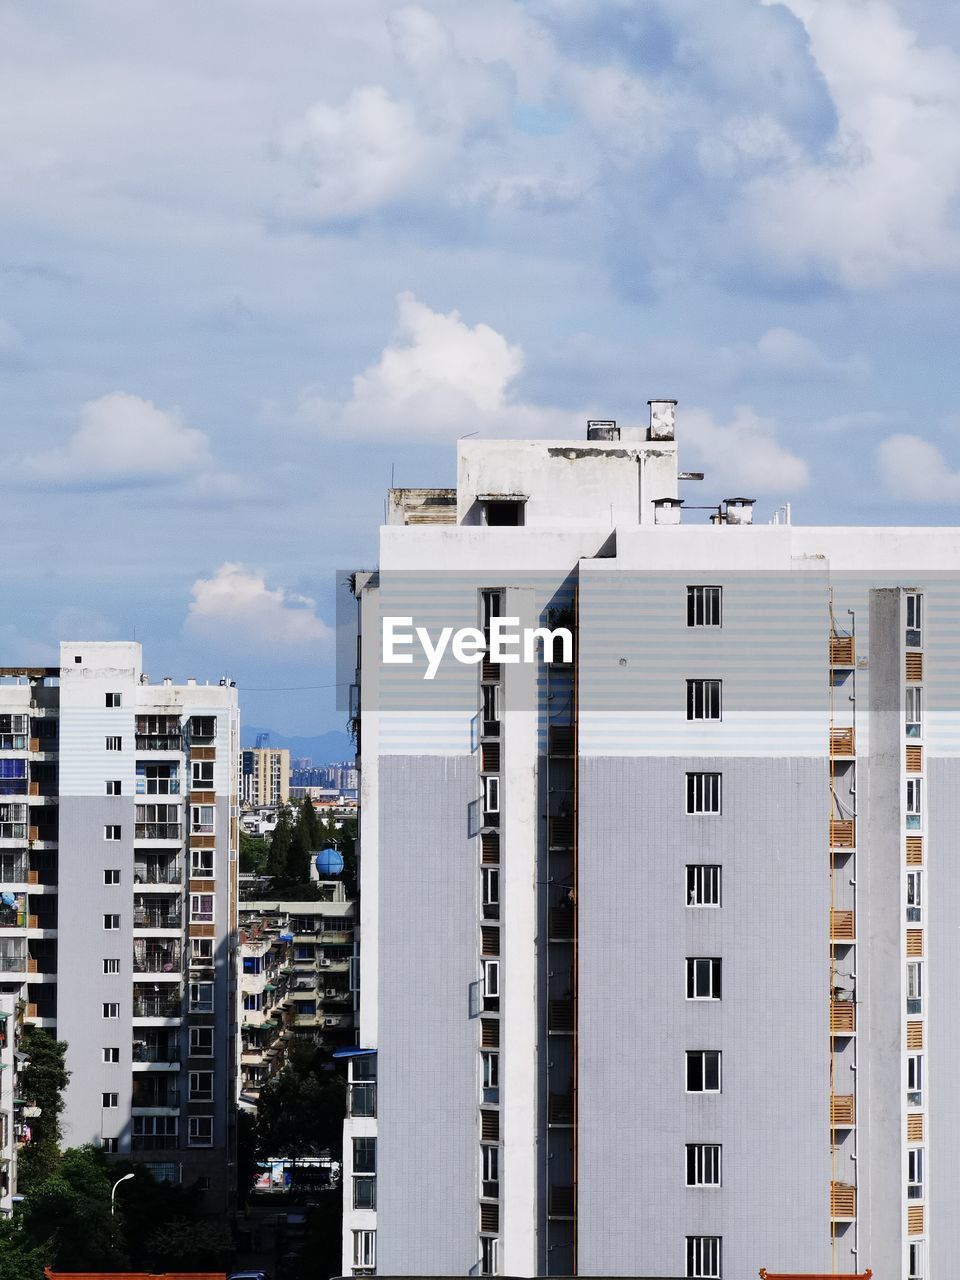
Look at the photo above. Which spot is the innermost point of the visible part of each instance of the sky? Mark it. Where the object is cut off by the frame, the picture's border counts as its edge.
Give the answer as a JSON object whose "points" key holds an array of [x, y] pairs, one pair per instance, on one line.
{"points": [[259, 256]]}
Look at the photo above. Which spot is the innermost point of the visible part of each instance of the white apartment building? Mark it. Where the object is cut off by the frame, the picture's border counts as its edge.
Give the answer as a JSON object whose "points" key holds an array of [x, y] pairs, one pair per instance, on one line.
{"points": [[656, 944], [118, 846]]}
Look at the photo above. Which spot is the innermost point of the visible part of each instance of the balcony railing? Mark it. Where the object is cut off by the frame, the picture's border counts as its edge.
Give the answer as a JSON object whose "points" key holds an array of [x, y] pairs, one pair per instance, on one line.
{"points": [[155, 1098], [157, 830], [159, 742], [157, 1006], [157, 873], [15, 963], [168, 1052], [167, 960], [154, 918], [153, 1142]]}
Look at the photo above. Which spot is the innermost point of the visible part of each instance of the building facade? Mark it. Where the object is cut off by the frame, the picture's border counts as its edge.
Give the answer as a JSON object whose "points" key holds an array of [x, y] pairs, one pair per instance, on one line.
{"points": [[118, 835], [672, 909], [264, 777]]}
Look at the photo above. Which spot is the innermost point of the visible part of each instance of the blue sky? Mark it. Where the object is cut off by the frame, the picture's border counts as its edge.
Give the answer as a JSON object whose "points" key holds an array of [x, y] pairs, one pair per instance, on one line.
{"points": [[255, 255]]}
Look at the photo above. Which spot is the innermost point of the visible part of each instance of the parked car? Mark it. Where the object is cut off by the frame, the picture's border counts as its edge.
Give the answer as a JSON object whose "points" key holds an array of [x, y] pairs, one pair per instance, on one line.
{"points": [[248, 1275]]}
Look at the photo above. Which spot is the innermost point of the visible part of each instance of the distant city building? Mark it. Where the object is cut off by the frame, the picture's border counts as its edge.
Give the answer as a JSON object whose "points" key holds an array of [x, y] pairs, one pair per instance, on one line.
{"points": [[264, 776], [118, 842]]}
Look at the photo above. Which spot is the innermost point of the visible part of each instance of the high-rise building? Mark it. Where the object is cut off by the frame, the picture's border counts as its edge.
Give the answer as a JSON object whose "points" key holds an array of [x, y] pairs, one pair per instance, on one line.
{"points": [[658, 945], [264, 777], [118, 845]]}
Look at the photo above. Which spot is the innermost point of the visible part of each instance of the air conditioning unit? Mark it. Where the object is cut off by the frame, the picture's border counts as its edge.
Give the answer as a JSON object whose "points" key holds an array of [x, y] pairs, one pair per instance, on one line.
{"points": [[331, 991], [324, 963], [331, 1022]]}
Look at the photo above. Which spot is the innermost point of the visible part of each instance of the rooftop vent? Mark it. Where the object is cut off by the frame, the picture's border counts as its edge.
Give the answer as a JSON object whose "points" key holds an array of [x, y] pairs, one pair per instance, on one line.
{"points": [[663, 419], [599, 429], [667, 510], [739, 510]]}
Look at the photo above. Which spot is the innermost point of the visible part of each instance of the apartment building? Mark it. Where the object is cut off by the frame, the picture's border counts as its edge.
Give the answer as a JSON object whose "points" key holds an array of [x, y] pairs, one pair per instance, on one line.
{"points": [[118, 847], [264, 777], [656, 938], [12, 1106]]}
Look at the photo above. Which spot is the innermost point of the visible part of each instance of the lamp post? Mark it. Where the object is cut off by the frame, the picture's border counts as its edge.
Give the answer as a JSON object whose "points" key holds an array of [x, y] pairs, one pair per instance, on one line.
{"points": [[126, 1178]]}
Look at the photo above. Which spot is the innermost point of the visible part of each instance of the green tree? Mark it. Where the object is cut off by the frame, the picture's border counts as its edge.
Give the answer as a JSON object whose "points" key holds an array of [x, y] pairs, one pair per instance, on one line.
{"points": [[189, 1245], [253, 853], [42, 1082], [247, 1169], [297, 870], [300, 1111], [68, 1214], [20, 1260], [280, 842]]}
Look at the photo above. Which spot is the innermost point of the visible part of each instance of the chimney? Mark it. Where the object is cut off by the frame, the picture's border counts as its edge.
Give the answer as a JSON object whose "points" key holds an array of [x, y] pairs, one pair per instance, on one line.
{"points": [[667, 510], [739, 510], [598, 429], [663, 419]]}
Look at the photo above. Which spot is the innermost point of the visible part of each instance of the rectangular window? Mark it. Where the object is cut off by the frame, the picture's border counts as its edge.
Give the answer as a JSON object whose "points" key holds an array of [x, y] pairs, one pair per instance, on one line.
{"points": [[490, 877], [158, 780], [490, 1172], [201, 864], [703, 1164], [111, 833], [252, 1001], [201, 997], [914, 897], [491, 705], [703, 978], [915, 1080], [914, 712], [203, 728], [365, 1249], [365, 1193], [200, 1132], [202, 775], [489, 1256], [704, 607], [201, 1086], [114, 743], [914, 803], [112, 699], [110, 1100], [111, 875], [914, 620], [491, 984], [914, 986], [915, 1173], [703, 884], [111, 966], [490, 1075], [364, 1171], [703, 699], [201, 952], [201, 908], [703, 1257], [111, 1011], [202, 819], [114, 787], [110, 1144], [704, 792], [201, 1042], [915, 1261], [111, 922], [111, 1054], [703, 1071], [491, 795]]}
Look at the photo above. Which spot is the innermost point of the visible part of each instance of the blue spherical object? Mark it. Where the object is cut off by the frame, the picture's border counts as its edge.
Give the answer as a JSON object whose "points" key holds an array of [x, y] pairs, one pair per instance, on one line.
{"points": [[329, 862]]}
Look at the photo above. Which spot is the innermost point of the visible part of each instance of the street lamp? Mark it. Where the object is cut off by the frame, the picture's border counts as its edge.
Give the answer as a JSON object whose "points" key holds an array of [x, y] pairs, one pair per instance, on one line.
{"points": [[126, 1178]]}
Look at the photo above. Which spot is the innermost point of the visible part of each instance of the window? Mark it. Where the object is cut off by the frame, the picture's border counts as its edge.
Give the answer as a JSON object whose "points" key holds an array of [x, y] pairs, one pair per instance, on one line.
{"points": [[491, 795], [201, 997], [114, 743], [914, 986], [703, 978], [703, 699], [703, 1257], [203, 728], [913, 804], [491, 984], [915, 1080], [158, 780], [111, 966], [914, 897], [490, 877], [201, 864], [151, 1133], [202, 818], [914, 718], [112, 699], [201, 1086], [201, 1042], [111, 922], [703, 1164], [202, 775], [490, 1075], [200, 1132], [703, 884], [201, 908], [111, 875], [703, 792], [703, 1071], [108, 1100], [111, 833], [114, 787], [109, 1144], [111, 1054], [915, 1173], [201, 952], [915, 1260], [365, 1249], [506, 512], [914, 620], [703, 606], [365, 1173], [489, 1256], [491, 704], [165, 1171], [252, 1001], [111, 1011], [490, 1172]]}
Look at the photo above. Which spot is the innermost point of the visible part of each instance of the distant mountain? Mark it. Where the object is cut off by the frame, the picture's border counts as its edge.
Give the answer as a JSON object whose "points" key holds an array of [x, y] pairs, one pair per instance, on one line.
{"points": [[325, 748]]}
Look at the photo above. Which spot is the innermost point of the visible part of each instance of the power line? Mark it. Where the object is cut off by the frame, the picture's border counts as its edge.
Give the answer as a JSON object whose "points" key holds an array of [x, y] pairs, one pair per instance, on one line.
{"points": [[294, 688]]}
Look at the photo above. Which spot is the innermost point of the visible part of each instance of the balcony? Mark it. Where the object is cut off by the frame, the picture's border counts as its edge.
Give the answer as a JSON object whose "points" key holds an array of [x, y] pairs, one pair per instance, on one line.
{"points": [[843, 1111], [842, 926], [156, 918], [842, 743], [150, 1092], [153, 959], [158, 733], [158, 831], [843, 1202], [843, 1017], [165, 1049], [560, 1111], [154, 1005], [157, 872], [561, 1202]]}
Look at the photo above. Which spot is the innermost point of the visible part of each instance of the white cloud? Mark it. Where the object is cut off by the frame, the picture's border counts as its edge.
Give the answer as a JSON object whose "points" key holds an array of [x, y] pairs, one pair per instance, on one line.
{"points": [[783, 353], [881, 201], [123, 439], [914, 469], [743, 455], [238, 610], [439, 379]]}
